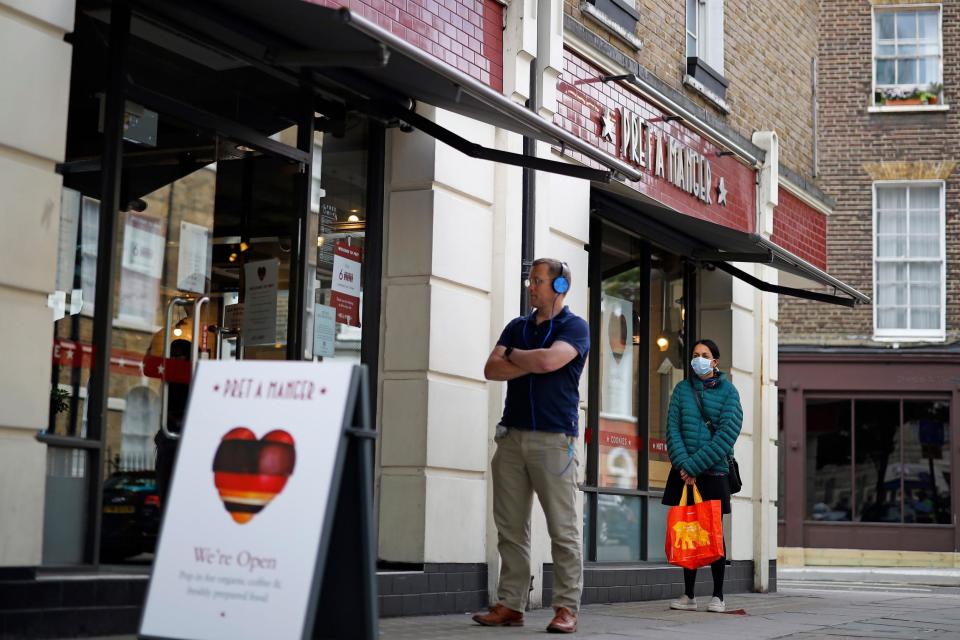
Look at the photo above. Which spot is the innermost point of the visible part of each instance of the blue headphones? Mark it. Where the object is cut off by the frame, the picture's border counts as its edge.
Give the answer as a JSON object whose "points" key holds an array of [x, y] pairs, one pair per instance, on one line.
{"points": [[561, 284]]}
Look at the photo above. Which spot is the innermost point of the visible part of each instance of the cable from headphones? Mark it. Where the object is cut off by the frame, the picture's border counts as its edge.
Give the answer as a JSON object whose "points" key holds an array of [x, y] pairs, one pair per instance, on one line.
{"points": [[564, 285]]}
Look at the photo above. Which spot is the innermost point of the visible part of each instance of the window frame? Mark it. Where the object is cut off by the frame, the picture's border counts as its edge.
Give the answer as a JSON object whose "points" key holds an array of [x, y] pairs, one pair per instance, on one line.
{"points": [[903, 8], [904, 334]]}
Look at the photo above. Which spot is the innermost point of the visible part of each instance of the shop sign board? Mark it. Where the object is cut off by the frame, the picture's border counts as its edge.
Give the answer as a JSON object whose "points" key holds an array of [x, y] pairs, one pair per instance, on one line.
{"points": [[250, 513], [681, 167], [345, 297]]}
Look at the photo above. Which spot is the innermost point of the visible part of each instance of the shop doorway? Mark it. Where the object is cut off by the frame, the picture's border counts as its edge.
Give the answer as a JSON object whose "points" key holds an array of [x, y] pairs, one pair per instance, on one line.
{"points": [[237, 198]]}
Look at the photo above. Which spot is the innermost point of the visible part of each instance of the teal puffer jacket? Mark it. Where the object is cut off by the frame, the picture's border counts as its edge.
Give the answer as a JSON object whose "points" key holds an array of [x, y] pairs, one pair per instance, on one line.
{"points": [[689, 442]]}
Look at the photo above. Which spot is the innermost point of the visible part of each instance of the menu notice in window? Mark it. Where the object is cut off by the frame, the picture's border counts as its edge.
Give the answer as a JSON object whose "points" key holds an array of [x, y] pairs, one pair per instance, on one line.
{"points": [[345, 297]]}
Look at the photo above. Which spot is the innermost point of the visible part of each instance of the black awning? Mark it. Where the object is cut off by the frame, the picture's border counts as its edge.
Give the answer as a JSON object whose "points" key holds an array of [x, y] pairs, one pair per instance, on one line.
{"points": [[718, 245], [356, 62]]}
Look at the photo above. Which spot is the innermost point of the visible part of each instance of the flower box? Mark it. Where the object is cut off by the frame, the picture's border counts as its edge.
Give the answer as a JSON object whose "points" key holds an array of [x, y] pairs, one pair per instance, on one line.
{"points": [[902, 102]]}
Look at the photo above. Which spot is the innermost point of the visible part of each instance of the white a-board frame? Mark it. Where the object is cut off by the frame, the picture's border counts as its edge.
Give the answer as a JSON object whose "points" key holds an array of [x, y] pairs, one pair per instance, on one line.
{"points": [[171, 614]]}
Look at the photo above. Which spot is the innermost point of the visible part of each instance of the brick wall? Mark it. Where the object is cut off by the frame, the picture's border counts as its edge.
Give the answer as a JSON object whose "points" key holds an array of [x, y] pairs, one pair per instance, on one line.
{"points": [[767, 49], [800, 229], [466, 34], [851, 141]]}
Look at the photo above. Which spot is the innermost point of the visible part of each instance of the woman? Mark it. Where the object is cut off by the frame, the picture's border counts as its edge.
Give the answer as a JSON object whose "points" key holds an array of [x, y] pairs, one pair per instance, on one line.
{"points": [[699, 454]]}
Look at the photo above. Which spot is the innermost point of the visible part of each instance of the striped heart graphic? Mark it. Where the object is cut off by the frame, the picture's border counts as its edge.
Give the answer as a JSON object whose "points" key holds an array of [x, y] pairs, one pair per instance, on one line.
{"points": [[249, 473]]}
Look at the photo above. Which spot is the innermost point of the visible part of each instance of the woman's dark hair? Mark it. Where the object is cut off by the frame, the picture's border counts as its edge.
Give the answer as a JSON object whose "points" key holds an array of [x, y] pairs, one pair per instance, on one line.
{"points": [[709, 344]]}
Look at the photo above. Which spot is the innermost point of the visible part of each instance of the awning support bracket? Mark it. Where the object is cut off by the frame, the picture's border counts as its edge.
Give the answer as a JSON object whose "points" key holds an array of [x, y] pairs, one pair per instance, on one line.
{"points": [[475, 150], [789, 291]]}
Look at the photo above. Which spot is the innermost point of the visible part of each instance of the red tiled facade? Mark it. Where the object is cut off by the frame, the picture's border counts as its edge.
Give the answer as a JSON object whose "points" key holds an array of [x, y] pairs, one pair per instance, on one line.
{"points": [[466, 34], [583, 101], [800, 229]]}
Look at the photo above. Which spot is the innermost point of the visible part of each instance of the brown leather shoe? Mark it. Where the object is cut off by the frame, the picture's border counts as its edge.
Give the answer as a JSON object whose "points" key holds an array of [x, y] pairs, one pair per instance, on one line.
{"points": [[499, 616], [564, 622]]}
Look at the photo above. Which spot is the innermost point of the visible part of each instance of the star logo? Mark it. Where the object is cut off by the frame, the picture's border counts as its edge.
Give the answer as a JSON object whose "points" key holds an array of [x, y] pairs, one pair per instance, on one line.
{"points": [[722, 192], [607, 126]]}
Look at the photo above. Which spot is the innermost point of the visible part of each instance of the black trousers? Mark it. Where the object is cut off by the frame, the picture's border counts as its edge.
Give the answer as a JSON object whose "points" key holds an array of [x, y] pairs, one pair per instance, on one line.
{"points": [[717, 569]]}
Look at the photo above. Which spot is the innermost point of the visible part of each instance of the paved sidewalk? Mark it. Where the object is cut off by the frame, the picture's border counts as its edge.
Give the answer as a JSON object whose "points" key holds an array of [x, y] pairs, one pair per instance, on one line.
{"points": [[797, 614], [873, 575]]}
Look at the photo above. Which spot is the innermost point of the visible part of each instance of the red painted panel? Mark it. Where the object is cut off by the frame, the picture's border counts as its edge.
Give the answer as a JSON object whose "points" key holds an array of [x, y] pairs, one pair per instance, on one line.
{"points": [[800, 229], [466, 34], [585, 99]]}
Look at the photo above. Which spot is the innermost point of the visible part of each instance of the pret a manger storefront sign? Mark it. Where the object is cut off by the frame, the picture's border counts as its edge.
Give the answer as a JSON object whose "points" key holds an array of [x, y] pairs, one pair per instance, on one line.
{"points": [[242, 533], [683, 169], [664, 156]]}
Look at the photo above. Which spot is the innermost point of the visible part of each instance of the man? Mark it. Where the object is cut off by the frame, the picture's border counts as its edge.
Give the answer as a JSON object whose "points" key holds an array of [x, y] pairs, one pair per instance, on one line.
{"points": [[541, 355]]}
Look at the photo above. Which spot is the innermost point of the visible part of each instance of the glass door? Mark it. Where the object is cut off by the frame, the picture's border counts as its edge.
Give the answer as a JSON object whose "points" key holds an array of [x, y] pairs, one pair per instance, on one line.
{"points": [[203, 258], [639, 329]]}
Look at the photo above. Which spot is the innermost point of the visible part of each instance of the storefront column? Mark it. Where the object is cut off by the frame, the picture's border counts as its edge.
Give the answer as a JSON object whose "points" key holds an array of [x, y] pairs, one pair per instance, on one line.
{"points": [[436, 337], [765, 429], [36, 69]]}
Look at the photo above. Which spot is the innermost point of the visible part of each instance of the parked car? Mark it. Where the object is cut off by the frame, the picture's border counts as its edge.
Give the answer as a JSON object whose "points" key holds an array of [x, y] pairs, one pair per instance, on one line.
{"points": [[131, 515]]}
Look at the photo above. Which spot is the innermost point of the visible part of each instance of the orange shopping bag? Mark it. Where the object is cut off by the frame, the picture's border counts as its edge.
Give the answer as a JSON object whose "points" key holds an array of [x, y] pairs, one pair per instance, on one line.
{"points": [[694, 532]]}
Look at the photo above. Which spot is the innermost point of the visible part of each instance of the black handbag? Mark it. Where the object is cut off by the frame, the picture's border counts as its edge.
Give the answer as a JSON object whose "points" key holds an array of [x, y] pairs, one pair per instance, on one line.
{"points": [[733, 469]]}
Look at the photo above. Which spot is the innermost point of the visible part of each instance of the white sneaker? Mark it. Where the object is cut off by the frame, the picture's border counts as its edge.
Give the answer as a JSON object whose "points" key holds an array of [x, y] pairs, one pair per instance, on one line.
{"points": [[717, 605], [683, 603]]}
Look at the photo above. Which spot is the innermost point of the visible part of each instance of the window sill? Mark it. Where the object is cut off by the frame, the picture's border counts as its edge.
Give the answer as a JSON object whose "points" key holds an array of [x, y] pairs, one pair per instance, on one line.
{"points": [[711, 97], [610, 25], [911, 338], [913, 108]]}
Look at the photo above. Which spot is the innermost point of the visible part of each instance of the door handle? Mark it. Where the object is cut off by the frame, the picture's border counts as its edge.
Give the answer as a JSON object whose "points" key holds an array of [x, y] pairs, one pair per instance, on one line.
{"points": [[164, 397], [195, 343], [222, 333]]}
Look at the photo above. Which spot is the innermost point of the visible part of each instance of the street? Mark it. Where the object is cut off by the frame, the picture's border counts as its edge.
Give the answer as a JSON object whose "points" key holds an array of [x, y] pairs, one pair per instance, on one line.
{"points": [[800, 610]]}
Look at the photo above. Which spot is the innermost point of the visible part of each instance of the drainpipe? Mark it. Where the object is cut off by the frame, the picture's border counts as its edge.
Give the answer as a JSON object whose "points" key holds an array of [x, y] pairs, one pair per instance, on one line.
{"points": [[767, 199]]}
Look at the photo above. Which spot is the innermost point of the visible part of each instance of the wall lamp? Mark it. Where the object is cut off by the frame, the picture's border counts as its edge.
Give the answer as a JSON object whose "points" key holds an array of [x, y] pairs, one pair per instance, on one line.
{"points": [[720, 154]]}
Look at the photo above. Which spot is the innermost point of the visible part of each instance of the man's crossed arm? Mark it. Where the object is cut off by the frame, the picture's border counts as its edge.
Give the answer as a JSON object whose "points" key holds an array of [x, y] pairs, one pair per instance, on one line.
{"points": [[524, 361]]}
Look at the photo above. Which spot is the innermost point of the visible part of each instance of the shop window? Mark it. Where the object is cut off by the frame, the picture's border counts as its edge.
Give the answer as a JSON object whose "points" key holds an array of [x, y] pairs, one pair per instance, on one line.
{"points": [[925, 471], [829, 465], [618, 528], [704, 38], [877, 445], [900, 468], [781, 464], [909, 261], [907, 56]]}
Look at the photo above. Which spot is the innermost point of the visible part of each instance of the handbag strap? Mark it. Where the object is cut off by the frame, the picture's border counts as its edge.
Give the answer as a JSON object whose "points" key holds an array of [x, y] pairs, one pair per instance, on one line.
{"points": [[696, 396], [706, 420]]}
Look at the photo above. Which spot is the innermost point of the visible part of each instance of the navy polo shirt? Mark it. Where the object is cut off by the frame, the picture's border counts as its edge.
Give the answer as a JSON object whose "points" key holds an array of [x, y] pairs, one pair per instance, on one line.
{"points": [[546, 401]]}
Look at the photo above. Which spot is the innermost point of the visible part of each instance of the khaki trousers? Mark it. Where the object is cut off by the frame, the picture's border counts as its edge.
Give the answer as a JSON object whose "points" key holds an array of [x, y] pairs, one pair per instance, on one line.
{"points": [[545, 463]]}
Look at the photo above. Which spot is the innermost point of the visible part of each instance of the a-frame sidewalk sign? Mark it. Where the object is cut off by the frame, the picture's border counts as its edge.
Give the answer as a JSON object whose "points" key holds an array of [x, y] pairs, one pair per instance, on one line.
{"points": [[268, 531]]}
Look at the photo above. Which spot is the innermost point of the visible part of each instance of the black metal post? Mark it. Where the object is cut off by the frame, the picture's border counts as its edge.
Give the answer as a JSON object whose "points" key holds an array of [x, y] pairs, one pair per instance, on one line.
{"points": [[373, 260], [98, 389], [594, 282], [301, 272], [528, 216]]}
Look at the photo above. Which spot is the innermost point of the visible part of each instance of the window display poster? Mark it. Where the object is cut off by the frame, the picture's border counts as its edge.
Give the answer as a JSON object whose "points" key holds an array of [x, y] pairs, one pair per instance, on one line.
{"points": [[260, 302], [141, 269], [616, 349], [194, 260], [67, 249], [619, 453], [345, 296], [239, 546], [324, 330]]}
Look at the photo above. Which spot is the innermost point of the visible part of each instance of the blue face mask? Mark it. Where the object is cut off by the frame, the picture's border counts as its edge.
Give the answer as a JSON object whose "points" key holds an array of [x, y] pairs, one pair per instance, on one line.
{"points": [[701, 366]]}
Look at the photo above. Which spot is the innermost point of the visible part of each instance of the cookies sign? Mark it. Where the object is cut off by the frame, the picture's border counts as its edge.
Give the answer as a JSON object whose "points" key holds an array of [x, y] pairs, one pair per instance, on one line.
{"points": [[248, 516]]}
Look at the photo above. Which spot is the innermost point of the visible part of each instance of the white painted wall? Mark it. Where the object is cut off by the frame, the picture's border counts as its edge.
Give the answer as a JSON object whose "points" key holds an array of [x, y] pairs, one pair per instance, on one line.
{"points": [[435, 408], [35, 83]]}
